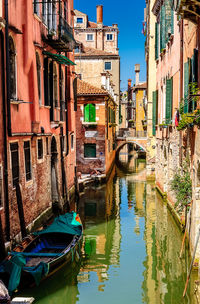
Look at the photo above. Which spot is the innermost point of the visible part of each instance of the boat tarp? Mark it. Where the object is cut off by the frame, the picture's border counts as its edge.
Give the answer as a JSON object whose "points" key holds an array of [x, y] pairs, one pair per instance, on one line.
{"points": [[14, 267], [66, 223]]}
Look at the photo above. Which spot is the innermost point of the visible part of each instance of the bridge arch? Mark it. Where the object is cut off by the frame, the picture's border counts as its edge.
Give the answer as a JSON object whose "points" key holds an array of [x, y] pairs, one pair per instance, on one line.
{"points": [[122, 144]]}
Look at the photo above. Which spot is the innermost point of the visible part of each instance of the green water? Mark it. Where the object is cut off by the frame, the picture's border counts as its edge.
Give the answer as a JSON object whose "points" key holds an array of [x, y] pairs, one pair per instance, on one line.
{"points": [[130, 250]]}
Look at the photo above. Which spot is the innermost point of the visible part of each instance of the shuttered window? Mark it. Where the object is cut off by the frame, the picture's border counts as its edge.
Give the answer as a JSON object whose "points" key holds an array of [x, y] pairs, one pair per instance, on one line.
{"points": [[162, 29], [89, 113], [14, 162], [169, 100], [168, 20], [27, 157], [172, 21], [186, 86], [156, 40], [154, 112], [90, 150]]}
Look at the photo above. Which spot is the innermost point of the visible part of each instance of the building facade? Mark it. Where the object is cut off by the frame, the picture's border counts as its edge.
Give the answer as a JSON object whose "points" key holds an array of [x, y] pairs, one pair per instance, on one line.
{"points": [[96, 125], [37, 108], [97, 52]]}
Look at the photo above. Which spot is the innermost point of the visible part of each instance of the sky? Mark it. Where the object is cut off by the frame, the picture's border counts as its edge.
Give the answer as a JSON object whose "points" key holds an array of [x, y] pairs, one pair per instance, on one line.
{"points": [[129, 16]]}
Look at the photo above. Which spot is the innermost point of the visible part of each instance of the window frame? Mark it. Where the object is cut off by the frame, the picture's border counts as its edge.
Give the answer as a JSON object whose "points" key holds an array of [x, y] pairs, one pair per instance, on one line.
{"points": [[39, 78], [42, 156], [25, 167], [105, 66], [12, 54], [91, 145], [87, 35], [11, 162], [36, 8], [107, 35], [78, 21]]}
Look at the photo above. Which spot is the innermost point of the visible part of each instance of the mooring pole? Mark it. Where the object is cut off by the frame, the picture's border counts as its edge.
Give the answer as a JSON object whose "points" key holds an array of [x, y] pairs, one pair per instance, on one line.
{"points": [[20, 210]]}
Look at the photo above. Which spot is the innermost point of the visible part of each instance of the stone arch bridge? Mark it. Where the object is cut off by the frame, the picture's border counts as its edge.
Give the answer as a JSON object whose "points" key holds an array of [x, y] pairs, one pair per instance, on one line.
{"points": [[126, 136]]}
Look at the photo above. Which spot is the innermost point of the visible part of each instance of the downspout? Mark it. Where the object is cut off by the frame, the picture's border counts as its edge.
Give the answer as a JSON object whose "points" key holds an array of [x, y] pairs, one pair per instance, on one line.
{"points": [[7, 70], [66, 107], [5, 167], [6, 119], [181, 82]]}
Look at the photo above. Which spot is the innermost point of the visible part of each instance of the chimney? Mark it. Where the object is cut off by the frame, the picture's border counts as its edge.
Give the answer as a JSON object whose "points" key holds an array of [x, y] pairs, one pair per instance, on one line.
{"points": [[129, 83], [137, 74], [100, 15]]}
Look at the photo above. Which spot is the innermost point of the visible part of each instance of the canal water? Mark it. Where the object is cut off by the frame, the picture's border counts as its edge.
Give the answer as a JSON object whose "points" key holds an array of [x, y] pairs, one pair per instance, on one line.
{"points": [[130, 250]]}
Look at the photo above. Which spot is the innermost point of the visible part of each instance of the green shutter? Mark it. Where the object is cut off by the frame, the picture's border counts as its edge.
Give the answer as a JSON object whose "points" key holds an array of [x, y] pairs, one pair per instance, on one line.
{"points": [[154, 118], [169, 94], [87, 113], [168, 20], [186, 86], [156, 40], [90, 150], [92, 114], [172, 21], [195, 66], [162, 28]]}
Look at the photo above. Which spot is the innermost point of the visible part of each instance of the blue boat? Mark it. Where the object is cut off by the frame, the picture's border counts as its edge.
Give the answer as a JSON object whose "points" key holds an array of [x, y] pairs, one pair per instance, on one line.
{"points": [[58, 244]]}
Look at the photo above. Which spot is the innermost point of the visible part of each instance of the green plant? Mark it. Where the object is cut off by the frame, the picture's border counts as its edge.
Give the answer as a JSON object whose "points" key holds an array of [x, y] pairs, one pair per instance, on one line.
{"points": [[182, 186]]}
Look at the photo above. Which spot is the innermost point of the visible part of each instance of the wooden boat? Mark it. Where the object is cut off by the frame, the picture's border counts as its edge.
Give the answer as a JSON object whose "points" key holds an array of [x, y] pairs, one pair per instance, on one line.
{"points": [[49, 249]]}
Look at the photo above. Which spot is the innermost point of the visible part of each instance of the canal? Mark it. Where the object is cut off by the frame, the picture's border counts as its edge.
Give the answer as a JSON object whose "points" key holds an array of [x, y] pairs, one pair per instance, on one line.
{"points": [[130, 250]]}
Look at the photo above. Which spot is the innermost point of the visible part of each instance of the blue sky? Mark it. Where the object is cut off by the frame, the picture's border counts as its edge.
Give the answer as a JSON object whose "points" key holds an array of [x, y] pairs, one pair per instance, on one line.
{"points": [[129, 16]]}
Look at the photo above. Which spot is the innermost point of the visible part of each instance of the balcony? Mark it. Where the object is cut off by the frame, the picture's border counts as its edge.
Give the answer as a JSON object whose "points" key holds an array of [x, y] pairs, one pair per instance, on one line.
{"points": [[188, 9], [61, 39]]}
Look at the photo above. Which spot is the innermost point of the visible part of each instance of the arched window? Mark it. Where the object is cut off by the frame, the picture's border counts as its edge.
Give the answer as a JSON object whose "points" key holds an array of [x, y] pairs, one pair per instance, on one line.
{"points": [[55, 85], [12, 59], [38, 65], [62, 97]]}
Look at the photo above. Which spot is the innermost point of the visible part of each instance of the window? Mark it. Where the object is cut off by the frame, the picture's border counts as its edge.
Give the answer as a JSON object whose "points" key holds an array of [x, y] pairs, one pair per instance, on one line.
{"points": [[46, 82], [54, 16], [44, 12], [89, 113], [27, 157], [55, 86], [107, 66], [79, 20], [36, 7], [1, 186], [38, 76], [65, 10], [40, 148], [109, 37], [14, 163], [72, 142], [12, 58], [77, 50], [90, 37], [90, 150], [47, 145]]}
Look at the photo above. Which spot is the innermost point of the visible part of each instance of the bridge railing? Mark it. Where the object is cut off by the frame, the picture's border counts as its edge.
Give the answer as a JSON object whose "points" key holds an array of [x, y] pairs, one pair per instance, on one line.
{"points": [[131, 133]]}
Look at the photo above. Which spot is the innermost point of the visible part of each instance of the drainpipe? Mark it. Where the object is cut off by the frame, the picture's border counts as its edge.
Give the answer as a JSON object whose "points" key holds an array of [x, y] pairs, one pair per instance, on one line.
{"points": [[181, 82], [5, 167], [66, 106], [6, 119], [7, 70]]}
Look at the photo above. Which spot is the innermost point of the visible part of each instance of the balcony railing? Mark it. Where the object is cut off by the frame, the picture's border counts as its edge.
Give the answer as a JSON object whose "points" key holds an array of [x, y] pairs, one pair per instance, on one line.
{"points": [[188, 9], [61, 37]]}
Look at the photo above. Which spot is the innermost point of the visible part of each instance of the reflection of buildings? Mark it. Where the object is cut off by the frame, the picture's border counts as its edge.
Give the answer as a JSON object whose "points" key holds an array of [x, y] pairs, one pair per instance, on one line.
{"points": [[99, 212], [165, 274]]}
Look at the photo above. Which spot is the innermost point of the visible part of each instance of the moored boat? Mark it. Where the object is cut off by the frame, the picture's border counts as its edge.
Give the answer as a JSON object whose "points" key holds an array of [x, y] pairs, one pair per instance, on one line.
{"points": [[50, 248]]}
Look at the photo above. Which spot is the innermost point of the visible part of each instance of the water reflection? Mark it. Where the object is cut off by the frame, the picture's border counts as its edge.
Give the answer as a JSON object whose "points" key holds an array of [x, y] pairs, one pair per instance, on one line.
{"points": [[130, 249]]}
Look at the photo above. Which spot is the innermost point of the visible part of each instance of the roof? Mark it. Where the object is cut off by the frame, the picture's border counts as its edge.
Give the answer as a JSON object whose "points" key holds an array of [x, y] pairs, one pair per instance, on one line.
{"points": [[84, 88], [76, 12], [86, 51], [92, 24], [142, 86]]}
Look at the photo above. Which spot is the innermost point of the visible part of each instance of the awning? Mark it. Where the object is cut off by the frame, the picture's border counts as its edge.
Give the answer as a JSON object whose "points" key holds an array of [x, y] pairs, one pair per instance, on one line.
{"points": [[59, 58]]}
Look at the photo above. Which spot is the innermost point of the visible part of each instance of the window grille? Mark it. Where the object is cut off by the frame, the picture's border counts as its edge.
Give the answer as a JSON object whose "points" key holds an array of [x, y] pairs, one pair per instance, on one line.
{"points": [[27, 157], [14, 162], [40, 149]]}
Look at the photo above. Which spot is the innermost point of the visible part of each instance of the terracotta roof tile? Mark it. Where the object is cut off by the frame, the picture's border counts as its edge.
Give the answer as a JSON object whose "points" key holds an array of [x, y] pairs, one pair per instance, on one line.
{"points": [[84, 88], [140, 86], [92, 24], [86, 51]]}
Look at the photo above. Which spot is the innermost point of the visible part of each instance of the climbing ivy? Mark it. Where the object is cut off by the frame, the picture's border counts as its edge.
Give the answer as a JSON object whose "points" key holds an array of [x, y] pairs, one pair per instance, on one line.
{"points": [[181, 184]]}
